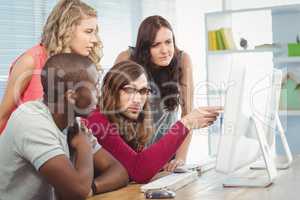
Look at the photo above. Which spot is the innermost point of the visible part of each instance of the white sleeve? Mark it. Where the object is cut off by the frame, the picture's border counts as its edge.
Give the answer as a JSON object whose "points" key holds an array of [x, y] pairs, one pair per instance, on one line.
{"points": [[39, 145]]}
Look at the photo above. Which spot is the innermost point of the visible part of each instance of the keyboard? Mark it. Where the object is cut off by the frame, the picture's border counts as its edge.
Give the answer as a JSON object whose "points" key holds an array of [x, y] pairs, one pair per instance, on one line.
{"points": [[201, 166], [207, 164], [173, 181]]}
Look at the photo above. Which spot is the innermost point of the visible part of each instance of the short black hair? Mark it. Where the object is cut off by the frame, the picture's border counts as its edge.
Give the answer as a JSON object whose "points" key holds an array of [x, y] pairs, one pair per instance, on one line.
{"points": [[61, 72]]}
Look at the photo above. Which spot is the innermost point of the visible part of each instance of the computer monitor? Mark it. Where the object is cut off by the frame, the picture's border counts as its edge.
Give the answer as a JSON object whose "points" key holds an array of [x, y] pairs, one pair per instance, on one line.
{"points": [[237, 146], [272, 123]]}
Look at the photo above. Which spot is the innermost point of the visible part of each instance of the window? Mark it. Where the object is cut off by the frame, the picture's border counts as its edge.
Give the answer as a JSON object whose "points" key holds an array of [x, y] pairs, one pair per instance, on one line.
{"points": [[20, 24]]}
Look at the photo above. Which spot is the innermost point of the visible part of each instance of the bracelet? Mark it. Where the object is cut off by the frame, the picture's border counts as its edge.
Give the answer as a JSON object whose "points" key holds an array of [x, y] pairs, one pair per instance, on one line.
{"points": [[94, 188]]}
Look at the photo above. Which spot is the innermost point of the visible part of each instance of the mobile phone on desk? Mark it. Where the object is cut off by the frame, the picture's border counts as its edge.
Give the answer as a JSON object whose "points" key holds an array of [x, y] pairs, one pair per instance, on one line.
{"points": [[160, 194]]}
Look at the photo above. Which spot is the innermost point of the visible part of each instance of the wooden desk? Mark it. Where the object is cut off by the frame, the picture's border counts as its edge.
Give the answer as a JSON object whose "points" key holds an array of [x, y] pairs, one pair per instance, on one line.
{"points": [[209, 187]]}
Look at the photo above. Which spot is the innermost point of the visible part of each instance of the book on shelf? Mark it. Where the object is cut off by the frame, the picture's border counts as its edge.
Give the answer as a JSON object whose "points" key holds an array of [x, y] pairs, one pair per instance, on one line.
{"points": [[221, 39], [228, 38], [212, 41]]}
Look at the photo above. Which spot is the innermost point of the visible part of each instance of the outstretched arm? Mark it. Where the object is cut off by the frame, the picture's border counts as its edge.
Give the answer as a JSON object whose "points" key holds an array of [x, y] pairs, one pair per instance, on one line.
{"points": [[155, 156], [151, 159]]}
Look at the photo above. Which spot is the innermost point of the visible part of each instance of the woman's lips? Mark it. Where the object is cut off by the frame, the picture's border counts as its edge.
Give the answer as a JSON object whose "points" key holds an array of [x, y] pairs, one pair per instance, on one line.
{"points": [[134, 109], [164, 58]]}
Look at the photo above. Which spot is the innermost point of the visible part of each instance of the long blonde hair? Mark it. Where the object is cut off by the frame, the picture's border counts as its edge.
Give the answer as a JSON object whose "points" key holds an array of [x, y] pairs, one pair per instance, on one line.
{"points": [[57, 31]]}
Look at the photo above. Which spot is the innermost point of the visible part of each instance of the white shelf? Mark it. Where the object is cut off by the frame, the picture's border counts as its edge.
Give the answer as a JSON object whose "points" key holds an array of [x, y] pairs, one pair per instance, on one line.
{"points": [[289, 113], [220, 52], [281, 60], [275, 9]]}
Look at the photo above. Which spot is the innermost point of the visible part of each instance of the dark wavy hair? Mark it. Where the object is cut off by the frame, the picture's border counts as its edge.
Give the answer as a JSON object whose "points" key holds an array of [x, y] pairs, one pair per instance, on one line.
{"points": [[167, 78], [135, 133]]}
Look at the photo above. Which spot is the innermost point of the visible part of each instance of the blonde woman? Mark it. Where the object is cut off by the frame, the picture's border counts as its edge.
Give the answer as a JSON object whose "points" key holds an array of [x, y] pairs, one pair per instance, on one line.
{"points": [[70, 27]]}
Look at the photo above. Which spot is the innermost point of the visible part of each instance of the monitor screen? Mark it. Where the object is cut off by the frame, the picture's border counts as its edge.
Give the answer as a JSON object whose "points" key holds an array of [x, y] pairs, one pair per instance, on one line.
{"points": [[238, 145]]}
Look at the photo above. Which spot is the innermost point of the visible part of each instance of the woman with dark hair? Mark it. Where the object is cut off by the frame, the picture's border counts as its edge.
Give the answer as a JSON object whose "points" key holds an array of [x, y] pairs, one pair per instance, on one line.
{"points": [[170, 73], [123, 124]]}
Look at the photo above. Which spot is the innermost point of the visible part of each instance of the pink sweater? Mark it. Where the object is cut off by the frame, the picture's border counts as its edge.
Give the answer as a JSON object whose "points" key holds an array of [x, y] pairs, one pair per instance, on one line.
{"points": [[34, 90], [141, 166]]}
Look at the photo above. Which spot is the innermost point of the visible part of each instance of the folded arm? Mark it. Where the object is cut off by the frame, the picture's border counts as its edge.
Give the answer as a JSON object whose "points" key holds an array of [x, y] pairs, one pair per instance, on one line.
{"points": [[109, 173]]}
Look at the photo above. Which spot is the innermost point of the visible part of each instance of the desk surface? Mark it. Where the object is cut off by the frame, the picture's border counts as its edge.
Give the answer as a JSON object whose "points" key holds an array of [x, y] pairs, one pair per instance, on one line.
{"points": [[209, 187]]}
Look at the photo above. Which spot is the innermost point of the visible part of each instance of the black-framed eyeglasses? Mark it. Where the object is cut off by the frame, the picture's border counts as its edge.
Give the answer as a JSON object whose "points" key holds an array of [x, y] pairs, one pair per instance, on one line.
{"points": [[131, 90]]}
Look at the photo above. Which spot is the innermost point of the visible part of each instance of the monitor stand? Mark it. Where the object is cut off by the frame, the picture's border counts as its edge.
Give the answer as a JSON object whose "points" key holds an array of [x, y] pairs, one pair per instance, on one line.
{"points": [[283, 162], [261, 181]]}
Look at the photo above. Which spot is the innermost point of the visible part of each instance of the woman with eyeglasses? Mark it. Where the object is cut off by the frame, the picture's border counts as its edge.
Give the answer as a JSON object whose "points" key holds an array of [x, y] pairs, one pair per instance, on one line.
{"points": [[170, 73], [123, 122]]}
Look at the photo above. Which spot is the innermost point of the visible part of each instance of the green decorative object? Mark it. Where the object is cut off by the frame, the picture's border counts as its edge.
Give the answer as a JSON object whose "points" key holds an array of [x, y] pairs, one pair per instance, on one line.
{"points": [[293, 49], [290, 96]]}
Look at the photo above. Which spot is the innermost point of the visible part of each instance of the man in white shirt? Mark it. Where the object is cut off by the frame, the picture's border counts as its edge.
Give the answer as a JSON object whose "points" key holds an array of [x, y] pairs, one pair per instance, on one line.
{"points": [[34, 148]]}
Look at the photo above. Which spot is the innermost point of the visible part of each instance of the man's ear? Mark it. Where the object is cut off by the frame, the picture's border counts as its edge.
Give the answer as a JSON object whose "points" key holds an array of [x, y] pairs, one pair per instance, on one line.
{"points": [[71, 96]]}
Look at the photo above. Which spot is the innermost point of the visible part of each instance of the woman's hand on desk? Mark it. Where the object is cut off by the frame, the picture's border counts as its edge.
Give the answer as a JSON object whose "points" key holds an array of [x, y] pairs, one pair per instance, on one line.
{"points": [[173, 164]]}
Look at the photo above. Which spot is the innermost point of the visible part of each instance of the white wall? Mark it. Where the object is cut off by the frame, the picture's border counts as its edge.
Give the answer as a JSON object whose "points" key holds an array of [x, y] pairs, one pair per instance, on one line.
{"points": [[190, 35]]}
